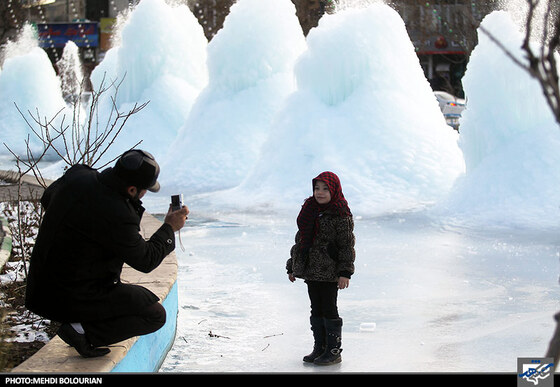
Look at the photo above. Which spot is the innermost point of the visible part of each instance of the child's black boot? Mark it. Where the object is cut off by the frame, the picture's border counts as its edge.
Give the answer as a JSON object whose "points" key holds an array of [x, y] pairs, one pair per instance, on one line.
{"points": [[334, 341], [319, 337]]}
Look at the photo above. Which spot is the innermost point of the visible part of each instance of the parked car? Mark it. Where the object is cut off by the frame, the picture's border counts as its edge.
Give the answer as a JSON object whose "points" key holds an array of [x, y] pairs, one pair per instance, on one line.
{"points": [[451, 107]]}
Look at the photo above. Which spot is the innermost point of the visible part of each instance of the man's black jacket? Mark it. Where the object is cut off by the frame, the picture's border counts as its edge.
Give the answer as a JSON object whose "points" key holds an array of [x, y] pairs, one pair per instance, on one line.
{"points": [[88, 232]]}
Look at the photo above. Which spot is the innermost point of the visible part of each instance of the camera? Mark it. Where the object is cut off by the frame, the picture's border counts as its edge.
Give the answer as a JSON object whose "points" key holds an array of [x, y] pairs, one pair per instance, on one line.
{"points": [[176, 202]]}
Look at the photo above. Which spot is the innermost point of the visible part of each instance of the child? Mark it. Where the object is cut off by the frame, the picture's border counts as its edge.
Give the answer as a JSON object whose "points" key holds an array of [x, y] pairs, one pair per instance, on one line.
{"points": [[324, 257]]}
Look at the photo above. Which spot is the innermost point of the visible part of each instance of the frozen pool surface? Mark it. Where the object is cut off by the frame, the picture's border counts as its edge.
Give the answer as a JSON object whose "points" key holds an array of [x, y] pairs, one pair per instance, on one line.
{"points": [[424, 298]]}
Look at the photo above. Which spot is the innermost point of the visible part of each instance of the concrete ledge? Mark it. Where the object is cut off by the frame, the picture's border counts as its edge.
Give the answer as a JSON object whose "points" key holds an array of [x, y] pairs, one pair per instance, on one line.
{"points": [[138, 354], [30, 187]]}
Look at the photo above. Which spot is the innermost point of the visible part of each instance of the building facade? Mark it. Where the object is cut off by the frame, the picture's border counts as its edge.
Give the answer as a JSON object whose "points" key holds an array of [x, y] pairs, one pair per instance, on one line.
{"points": [[443, 31]]}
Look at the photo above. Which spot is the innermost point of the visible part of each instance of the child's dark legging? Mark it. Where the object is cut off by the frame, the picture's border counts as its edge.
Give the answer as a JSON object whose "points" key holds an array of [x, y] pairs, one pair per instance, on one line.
{"points": [[323, 296]]}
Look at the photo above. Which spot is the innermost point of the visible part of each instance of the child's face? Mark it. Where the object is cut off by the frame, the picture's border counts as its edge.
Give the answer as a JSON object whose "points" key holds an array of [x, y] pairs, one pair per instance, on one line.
{"points": [[321, 192]]}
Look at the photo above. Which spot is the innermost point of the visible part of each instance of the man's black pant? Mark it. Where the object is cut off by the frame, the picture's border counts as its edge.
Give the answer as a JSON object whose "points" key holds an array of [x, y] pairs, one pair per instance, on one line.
{"points": [[110, 331], [323, 296]]}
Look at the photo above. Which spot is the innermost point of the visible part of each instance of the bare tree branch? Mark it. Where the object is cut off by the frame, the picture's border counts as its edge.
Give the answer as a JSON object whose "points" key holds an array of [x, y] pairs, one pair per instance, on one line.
{"points": [[77, 142]]}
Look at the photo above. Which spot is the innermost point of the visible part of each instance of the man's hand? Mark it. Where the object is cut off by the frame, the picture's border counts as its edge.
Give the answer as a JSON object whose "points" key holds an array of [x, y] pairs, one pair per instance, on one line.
{"points": [[177, 219]]}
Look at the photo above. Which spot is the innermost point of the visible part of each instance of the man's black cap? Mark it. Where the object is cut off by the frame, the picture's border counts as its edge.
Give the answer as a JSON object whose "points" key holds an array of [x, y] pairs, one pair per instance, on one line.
{"points": [[138, 168]]}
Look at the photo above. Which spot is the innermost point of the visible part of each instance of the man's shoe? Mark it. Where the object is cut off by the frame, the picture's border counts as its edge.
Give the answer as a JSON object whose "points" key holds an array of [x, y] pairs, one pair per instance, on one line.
{"points": [[79, 342]]}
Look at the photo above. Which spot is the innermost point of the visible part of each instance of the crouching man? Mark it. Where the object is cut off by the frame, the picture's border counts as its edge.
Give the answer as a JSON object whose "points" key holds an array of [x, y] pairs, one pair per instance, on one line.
{"points": [[90, 229]]}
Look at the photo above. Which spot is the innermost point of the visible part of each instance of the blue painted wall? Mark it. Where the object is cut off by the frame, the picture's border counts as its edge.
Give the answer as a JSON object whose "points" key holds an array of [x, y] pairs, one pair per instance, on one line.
{"points": [[149, 351]]}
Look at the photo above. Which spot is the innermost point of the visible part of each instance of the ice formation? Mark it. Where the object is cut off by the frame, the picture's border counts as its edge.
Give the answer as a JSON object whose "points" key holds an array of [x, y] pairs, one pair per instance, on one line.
{"points": [[364, 110], [250, 64], [29, 81], [161, 59], [509, 139]]}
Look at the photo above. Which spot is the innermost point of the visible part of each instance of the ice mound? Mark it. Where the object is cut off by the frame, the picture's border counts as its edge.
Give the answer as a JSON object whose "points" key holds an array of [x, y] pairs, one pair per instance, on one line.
{"points": [[29, 80], [364, 110], [160, 58], [509, 139], [250, 64]]}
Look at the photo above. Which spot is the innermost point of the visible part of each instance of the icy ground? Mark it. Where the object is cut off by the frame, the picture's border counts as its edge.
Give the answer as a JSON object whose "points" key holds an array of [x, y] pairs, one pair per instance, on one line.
{"points": [[425, 297]]}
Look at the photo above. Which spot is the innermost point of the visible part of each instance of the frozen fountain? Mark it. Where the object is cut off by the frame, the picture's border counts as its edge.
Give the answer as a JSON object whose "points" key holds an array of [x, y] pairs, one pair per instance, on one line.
{"points": [[261, 107], [28, 80], [160, 57], [509, 139], [250, 63], [363, 109], [70, 72]]}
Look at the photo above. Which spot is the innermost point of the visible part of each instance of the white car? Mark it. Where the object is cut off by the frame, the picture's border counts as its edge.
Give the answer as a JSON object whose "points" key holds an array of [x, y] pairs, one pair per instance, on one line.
{"points": [[451, 107]]}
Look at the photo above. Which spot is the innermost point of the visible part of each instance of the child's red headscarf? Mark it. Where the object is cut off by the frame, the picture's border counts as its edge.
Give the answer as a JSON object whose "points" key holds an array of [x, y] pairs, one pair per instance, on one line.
{"points": [[307, 219]]}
